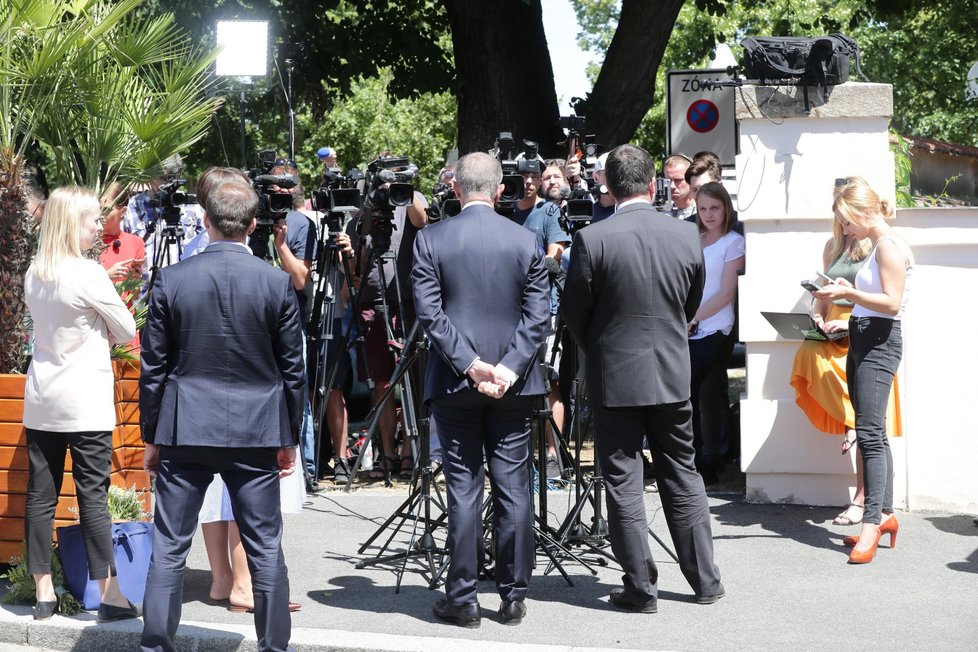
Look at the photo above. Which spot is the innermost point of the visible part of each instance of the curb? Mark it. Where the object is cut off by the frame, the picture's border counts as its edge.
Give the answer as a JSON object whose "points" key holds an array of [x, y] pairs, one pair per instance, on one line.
{"points": [[82, 634]]}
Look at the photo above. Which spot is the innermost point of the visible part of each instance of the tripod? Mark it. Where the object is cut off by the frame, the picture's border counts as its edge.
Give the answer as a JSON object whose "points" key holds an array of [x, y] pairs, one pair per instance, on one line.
{"points": [[171, 235], [331, 277], [417, 507]]}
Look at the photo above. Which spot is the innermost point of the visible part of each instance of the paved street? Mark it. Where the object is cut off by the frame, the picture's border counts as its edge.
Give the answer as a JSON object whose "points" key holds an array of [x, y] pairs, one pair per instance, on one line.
{"points": [[784, 568]]}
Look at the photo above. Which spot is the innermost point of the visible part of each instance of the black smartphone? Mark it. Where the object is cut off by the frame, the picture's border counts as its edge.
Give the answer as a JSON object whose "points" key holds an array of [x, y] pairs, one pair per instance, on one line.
{"points": [[810, 286]]}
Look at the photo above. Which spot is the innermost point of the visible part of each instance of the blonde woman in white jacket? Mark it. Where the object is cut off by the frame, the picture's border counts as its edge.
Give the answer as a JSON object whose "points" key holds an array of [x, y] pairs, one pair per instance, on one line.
{"points": [[68, 400]]}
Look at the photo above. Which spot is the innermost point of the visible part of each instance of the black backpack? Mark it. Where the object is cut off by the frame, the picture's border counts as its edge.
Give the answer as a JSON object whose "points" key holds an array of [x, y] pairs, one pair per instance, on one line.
{"points": [[819, 61]]}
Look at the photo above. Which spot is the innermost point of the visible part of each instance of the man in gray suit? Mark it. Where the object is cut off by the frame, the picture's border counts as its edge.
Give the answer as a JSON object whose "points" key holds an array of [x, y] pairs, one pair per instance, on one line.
{"points": [[634, 283], [221, 391], [481, 294]]}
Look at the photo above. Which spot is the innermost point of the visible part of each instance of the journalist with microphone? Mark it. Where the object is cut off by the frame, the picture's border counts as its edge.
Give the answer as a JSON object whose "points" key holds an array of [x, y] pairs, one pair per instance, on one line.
{"points": [[481, 294]]}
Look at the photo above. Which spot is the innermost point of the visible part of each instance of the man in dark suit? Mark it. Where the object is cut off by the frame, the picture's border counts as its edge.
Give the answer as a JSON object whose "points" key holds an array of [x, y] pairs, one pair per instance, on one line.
{"points": [[633, 284], [481, 294], [221, 391]]}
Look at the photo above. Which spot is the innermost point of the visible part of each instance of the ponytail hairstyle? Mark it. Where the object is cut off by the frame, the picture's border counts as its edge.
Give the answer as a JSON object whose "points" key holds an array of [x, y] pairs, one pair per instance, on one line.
{"points": [[856, 202], [60, 233]]}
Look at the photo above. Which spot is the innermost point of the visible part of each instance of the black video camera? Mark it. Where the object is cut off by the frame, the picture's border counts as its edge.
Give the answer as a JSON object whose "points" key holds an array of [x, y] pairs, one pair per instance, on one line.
{"points": [[272, 205], [578, 211], [389, 184], [168, 199], [444, 203], [338, 194], [572, 123]]}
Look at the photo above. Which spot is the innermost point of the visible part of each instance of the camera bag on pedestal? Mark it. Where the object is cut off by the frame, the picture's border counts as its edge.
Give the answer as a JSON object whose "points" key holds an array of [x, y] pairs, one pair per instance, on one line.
{"points": [[819, 61]]}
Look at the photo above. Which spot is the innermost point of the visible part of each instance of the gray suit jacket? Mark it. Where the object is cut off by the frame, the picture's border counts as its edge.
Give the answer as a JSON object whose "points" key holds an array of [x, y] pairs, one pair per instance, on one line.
{"points": [[222, 354], [634, 282]]}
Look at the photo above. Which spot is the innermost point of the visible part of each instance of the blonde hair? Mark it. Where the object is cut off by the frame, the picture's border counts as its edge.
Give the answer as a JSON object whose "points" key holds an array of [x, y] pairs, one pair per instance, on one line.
{"points": [[60, 233], [856, 202], [841, 243]]}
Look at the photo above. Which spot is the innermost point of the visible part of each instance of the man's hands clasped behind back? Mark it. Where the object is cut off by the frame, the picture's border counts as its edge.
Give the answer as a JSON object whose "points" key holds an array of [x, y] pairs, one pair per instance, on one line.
{"points": [[493, 381]]}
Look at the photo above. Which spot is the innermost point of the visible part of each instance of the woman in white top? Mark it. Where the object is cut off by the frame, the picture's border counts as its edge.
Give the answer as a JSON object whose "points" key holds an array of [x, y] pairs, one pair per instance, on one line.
{"points": [[69, 395], [709, 333], [880, 295]]}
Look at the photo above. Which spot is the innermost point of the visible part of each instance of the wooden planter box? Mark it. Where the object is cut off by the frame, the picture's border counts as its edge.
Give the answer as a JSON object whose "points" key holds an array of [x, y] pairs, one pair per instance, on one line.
{"points": [[127, 456]]}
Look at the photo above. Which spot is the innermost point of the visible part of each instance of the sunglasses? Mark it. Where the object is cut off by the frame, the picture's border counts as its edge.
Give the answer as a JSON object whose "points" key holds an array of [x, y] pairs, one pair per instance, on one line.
{"points": [[285, 161], [841, 182]]}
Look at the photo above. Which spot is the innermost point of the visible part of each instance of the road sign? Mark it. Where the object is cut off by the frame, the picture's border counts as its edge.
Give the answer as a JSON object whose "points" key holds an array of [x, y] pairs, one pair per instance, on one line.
{"points": [[700, 114]]}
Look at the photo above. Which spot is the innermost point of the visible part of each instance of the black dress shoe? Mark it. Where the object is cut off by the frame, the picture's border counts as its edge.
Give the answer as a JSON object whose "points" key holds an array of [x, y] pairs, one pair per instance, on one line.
{"points": [[710, 599], [620, 600], [463, 615], [108, 613], [44, 610], [511, 612]]}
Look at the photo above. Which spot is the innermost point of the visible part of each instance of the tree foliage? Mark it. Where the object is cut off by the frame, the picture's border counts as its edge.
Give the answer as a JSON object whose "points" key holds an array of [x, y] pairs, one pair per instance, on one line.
{"points": [[922, 48], [88, 92]]}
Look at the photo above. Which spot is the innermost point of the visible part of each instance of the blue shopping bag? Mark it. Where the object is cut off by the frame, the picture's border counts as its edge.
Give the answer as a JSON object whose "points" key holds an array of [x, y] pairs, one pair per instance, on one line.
{"points": [[132, 545]]}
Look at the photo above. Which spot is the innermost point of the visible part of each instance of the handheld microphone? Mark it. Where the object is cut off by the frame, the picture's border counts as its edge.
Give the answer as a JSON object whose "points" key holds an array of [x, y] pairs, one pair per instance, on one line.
{"points": [[565, 192], [116, 245]]}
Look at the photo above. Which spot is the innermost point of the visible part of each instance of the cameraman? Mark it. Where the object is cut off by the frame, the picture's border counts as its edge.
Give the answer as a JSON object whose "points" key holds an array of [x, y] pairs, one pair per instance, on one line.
{"points": [[396, 259], [296, 245]]}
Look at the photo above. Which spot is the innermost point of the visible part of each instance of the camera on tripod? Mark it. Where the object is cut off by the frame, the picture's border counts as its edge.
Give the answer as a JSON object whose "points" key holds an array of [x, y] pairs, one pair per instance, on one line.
{"points": [[514, 169], [338, 194], [169, 198], [386, 187], [444, 203]]}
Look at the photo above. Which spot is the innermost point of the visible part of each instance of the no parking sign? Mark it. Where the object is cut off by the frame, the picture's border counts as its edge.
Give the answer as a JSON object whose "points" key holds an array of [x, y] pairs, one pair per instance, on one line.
{"points": [[700, 114]]}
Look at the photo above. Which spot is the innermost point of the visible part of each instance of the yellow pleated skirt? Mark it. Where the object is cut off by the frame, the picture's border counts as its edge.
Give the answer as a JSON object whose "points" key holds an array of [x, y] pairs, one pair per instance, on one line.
{"points": [[819, 378]]}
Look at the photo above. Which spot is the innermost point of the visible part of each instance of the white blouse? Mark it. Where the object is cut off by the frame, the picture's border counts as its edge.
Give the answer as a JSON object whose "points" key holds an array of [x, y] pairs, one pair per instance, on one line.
{"points": [[730, 246], [70, 383]]}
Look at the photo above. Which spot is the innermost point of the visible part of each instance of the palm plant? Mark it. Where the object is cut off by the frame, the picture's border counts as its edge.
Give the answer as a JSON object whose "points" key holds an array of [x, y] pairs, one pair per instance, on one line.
{"points": [[101, 94]]}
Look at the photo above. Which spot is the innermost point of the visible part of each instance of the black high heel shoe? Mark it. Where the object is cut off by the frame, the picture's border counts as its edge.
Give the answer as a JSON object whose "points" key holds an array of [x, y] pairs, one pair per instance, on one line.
{"points": [[45, 609]]}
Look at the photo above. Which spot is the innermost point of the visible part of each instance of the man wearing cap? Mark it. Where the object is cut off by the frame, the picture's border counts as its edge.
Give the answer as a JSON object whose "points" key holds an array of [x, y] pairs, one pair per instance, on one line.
{"points": [[328, 157]]}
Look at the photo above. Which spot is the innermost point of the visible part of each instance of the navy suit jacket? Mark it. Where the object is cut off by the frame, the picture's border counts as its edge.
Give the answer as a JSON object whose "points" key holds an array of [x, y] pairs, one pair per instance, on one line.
{"points": [[480, 289], [634, 282], [222, 354]]}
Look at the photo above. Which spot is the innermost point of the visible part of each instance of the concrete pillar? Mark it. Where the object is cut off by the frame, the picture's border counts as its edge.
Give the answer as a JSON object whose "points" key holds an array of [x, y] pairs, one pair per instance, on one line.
{"points": [[785, 174]]}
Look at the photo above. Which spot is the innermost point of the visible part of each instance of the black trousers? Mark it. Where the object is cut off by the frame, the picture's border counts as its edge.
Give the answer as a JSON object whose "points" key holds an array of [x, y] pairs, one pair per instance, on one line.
{"points": [[708, 359], [620, 432], [251, 476], [875, 349], [91, 461], [474, 428]]}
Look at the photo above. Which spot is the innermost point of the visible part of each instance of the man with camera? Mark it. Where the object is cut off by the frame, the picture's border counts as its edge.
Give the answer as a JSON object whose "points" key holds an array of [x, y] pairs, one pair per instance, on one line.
{"points": [[204, 411], [383, 242], [484, 303], [634, 283], [295, 243], [604, 203]]}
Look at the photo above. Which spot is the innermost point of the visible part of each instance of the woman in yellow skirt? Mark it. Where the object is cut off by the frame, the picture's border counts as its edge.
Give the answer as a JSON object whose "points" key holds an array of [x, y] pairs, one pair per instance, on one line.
{"points": [[819, 371]]}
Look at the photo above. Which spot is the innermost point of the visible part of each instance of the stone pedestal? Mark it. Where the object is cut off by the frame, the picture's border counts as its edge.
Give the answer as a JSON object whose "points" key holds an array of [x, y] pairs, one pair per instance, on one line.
{"points": [[785, 176]]}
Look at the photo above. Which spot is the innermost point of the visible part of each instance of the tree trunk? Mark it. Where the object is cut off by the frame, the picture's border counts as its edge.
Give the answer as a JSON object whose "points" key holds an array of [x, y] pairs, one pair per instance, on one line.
{"points": [[16, 251], [504, 72], [624, 90]]}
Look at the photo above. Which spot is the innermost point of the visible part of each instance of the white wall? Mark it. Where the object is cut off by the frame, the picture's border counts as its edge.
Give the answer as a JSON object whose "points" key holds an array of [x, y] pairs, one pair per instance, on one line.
{"points": [[785, 176]]}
